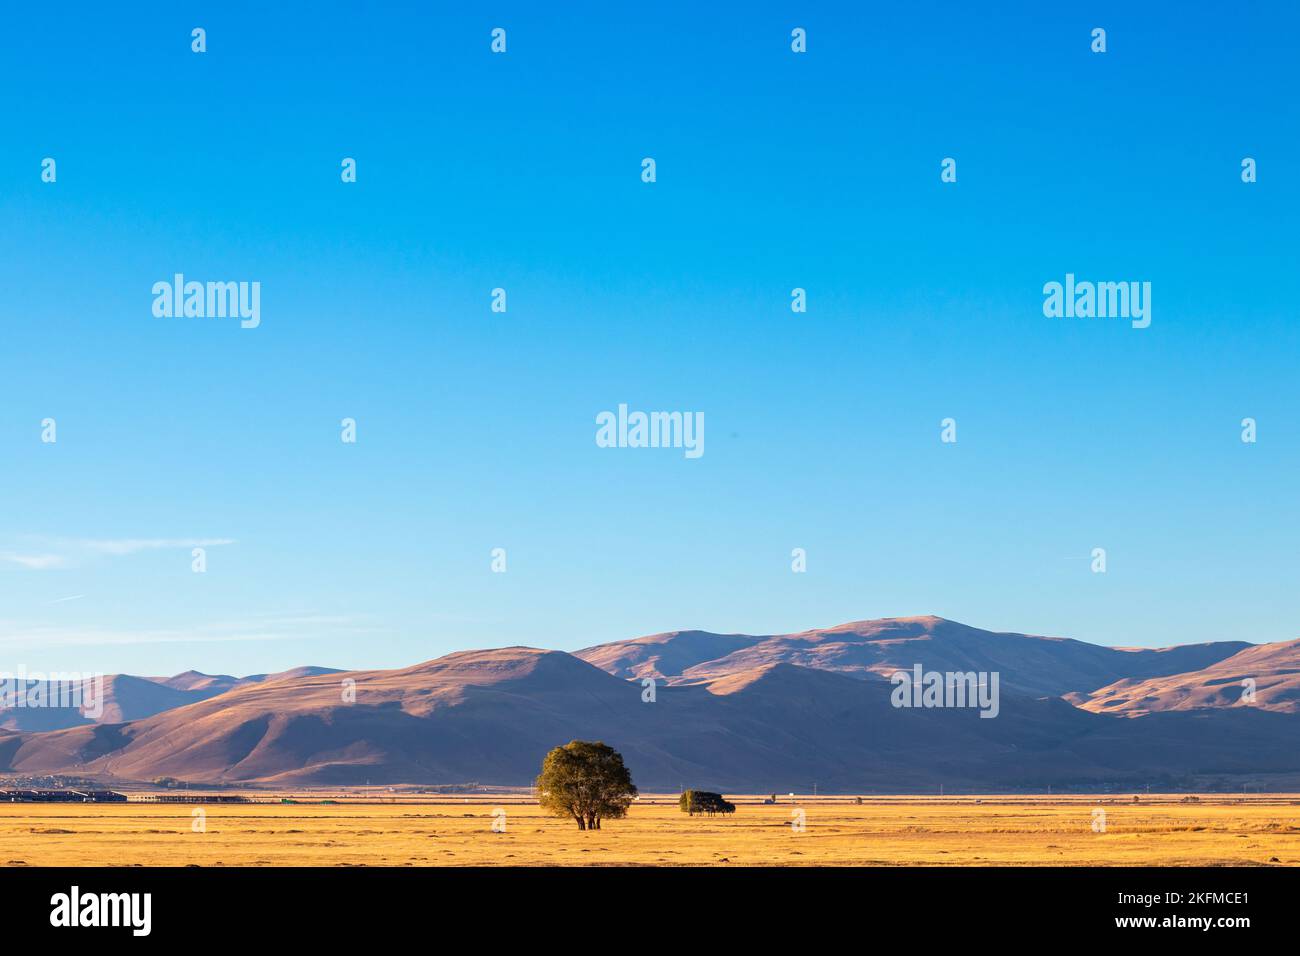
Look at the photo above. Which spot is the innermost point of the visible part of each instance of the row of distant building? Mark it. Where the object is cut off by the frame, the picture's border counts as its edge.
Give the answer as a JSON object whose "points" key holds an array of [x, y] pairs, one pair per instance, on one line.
{"points": [[111, 796], [62, 796]]}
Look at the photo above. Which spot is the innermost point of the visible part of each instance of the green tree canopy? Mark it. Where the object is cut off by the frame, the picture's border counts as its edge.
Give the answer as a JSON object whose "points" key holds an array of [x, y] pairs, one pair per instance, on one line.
{"points": [[702, 801], [587, 781]]}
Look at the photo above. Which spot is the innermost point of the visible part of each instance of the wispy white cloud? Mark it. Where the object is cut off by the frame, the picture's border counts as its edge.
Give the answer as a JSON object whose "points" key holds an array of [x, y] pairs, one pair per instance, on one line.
{"points": [[135, 545], [65, 600], [41, 553], [34, 562], [257, 628]]}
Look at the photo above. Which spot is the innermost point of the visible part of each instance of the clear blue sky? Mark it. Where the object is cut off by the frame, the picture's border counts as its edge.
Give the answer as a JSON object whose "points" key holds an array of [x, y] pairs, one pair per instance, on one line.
{"points": [[476, 430]]}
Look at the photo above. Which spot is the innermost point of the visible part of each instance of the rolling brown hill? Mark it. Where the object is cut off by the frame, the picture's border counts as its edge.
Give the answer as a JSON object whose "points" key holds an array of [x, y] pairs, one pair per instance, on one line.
{"points": [[126, 697], [490, 716], [1028, 664], [1275, 668], [213, 684]]}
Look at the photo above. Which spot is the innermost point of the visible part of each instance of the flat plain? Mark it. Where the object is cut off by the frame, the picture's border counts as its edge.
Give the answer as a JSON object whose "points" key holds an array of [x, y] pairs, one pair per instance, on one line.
{"points": [[881, 831]]}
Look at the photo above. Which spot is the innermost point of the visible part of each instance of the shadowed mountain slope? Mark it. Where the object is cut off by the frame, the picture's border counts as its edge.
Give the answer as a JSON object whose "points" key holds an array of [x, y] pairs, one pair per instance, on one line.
{"points": [[490, 716]]}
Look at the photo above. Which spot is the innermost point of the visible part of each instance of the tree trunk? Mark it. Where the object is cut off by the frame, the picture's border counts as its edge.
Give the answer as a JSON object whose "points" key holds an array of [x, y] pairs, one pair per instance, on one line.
{"points": [[582, 824]]}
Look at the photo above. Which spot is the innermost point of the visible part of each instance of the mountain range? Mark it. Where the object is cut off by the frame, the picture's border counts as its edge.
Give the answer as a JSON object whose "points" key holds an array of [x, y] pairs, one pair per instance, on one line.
{"points": [[727, 712], [122, 697]]}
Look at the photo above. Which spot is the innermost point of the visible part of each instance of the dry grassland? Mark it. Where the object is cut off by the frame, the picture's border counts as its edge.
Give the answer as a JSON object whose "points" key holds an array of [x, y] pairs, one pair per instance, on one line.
{"points": [[444, 831]]}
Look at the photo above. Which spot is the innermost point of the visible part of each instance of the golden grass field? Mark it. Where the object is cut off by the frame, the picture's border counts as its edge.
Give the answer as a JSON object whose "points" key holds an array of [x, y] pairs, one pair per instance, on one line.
{"points": [[1220, 830]]}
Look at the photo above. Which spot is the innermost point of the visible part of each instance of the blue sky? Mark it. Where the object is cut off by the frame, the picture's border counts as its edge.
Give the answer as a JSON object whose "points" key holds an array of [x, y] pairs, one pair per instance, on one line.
{"points": [[476, 429]]}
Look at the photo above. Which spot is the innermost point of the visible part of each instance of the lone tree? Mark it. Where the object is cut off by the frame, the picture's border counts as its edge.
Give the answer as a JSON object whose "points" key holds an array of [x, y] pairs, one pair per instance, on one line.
{"points": [[586, 781], [702, 801]]}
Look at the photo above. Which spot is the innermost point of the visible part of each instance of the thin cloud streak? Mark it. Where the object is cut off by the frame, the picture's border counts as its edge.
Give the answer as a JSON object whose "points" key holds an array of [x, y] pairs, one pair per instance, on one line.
{"points": [[267, 628], [34, 562], [119, 546], [55, 553]]}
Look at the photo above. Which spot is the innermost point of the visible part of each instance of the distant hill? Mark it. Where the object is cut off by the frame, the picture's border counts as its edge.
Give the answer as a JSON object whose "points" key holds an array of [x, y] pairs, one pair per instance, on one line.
{"points": [[132, 698], [1275, 669], [732, 713], [1028, 664]]}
